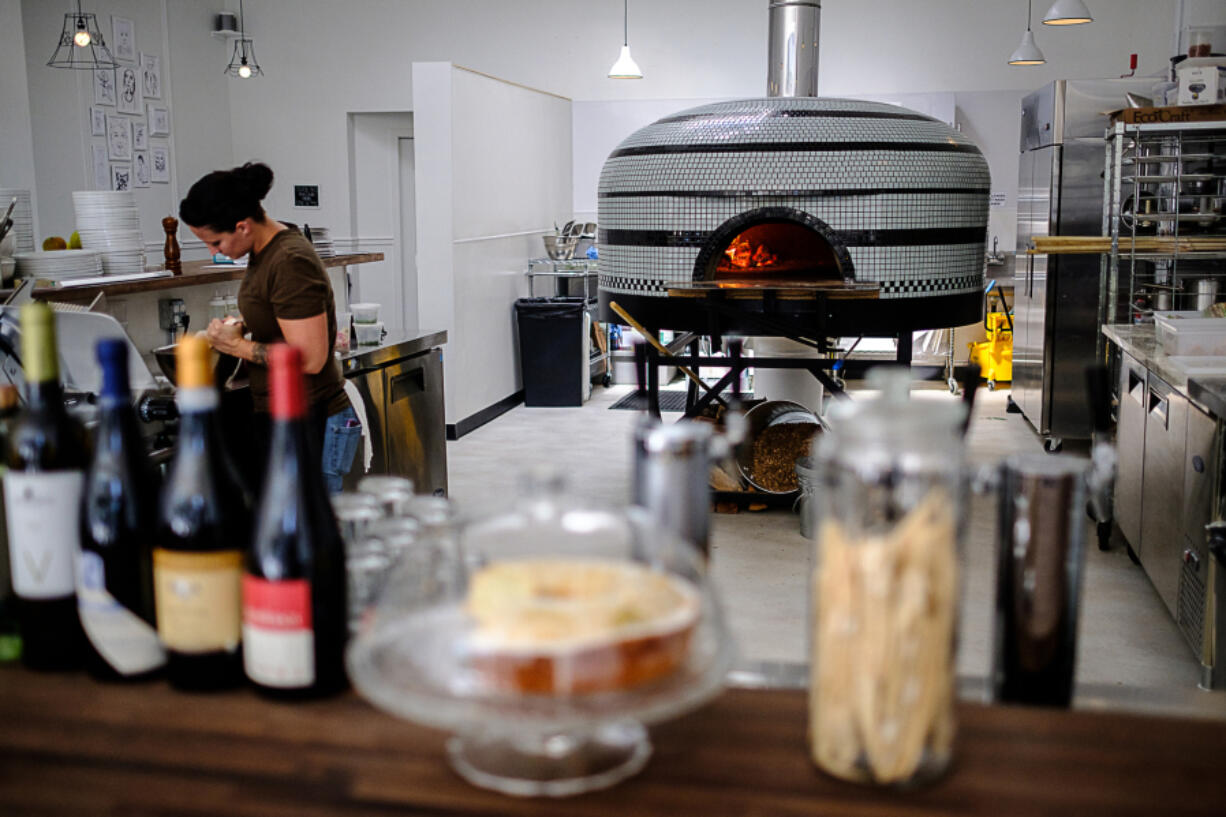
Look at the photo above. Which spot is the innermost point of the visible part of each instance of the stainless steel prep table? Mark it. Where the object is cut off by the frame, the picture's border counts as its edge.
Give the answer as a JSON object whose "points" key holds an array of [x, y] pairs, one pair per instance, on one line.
{"points": [[401, 383], [1170, 435]]}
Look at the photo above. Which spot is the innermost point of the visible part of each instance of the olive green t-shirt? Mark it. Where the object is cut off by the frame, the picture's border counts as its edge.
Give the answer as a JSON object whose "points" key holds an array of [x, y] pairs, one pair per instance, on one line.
{"points": [[287, 280]]}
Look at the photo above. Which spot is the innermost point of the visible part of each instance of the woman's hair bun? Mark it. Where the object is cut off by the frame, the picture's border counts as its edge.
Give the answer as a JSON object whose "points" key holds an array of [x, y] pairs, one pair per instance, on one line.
{"points": [[257, 176]]}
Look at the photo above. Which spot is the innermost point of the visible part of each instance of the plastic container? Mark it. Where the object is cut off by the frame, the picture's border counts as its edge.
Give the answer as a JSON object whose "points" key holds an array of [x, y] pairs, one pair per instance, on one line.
{"points": [[1200, 42], [369, 334], [1190, 334], [365, 313], [217, 307], [884, 593]]}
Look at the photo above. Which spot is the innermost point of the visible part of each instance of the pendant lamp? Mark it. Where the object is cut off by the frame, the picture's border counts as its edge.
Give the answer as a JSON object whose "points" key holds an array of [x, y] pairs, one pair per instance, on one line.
{"points": [[81, 44], [1027, 52], [625, 67], [1067, 13], [242, 61]]}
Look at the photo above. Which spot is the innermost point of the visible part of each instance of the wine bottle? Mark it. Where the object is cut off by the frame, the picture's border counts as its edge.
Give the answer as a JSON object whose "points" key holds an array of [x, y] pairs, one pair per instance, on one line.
{"points": [[203, 523], [10, 635], [48, 453], [118, 522], [294, 611]]}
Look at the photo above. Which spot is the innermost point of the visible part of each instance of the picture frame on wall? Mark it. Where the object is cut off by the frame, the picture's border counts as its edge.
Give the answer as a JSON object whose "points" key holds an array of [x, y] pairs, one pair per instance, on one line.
{"points": [[151, 76], [97, 121], [123, 38], [159, 121], [159, 164], [127, 87], [121, 176], [118, 137], [104, 86], [140, 169], [140, 135], [102, 166]]}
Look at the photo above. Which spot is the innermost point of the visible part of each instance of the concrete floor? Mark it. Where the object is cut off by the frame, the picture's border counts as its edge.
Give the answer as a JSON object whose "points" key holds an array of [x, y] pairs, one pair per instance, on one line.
{"points": [[1130, 653]]}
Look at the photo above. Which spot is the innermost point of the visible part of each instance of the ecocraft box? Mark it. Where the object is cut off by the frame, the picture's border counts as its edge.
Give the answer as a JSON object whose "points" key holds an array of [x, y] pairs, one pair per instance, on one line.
{"points": [[1173, 114]]}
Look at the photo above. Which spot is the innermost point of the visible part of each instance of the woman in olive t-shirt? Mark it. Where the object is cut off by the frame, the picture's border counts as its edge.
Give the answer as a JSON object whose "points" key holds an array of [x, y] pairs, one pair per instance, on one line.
{"points": [[285, 297]]}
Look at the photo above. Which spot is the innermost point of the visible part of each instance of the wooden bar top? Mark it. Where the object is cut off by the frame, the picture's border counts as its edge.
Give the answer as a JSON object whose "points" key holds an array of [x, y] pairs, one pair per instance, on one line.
{"points": [[69, 745], [193, 274]]}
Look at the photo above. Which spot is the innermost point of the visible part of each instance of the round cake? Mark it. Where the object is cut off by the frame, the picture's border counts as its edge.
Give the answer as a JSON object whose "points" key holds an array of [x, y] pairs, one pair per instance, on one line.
{"points": [[562, 626]]}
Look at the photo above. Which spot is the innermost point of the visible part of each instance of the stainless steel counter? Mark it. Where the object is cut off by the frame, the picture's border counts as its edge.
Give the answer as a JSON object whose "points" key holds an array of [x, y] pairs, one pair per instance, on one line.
{"points": [[1208, 391], [393, 347]]}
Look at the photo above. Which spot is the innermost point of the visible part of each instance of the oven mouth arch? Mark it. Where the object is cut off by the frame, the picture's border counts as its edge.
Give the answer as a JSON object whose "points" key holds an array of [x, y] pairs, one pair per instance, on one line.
{"points": [[707, 263]]}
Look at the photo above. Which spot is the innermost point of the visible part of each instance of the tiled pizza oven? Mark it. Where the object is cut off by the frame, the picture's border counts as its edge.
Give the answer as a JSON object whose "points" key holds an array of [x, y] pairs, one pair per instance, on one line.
{"points": [[787, 188]]}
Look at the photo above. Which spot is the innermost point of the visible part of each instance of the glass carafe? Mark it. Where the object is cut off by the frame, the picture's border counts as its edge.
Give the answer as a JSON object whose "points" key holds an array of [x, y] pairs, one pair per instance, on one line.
{"points": [[887, 512]]}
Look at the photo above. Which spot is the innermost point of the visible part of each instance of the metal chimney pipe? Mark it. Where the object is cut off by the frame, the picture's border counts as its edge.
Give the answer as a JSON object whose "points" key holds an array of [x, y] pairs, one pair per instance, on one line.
{"points": [[794, 29]]}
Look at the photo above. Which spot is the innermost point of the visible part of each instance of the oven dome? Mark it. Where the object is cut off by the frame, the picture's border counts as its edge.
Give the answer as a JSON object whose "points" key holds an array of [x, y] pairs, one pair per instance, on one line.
{"points": [[901, 198]]}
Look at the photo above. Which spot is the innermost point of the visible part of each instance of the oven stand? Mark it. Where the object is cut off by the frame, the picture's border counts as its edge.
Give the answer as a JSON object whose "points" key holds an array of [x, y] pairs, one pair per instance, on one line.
{"points": [[760, 323]]}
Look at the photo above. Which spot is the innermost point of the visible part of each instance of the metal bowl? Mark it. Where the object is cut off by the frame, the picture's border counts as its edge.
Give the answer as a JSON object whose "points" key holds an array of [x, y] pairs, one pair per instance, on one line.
{"points": [[762, 416], [224, 366], [558, 247]]}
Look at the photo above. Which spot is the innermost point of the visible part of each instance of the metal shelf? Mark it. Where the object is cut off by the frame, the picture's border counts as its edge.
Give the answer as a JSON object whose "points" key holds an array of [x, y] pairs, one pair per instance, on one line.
{"points": [[1136, 282]]}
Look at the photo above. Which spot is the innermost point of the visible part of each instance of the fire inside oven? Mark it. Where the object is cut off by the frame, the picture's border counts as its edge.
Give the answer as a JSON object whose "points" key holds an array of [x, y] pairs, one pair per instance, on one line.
{"points": [[771, 251]]}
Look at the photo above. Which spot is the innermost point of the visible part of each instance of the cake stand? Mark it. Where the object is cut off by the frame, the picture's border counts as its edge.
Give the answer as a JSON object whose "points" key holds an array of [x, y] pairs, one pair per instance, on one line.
{"points": [[415, 657]]}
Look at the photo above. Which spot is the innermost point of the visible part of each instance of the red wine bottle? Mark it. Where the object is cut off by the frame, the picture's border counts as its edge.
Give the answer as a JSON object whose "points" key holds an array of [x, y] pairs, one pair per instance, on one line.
{"points": [[294, 610], [48, 453], [118, 523], [204, 522]]}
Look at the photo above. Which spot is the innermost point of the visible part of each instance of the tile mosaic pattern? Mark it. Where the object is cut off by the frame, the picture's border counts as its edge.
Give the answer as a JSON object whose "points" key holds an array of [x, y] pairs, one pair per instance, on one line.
{"points": [[905, 195]]}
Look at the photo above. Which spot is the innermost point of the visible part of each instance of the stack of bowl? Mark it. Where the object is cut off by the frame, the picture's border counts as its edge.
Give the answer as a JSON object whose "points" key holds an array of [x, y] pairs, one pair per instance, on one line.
{"points": [[108, 221]]}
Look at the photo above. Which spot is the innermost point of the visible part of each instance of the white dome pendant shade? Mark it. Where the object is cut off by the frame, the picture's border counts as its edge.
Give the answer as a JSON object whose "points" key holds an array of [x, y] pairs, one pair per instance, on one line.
{"points": [[1027, 53], [625, 67], [1067, 13]]}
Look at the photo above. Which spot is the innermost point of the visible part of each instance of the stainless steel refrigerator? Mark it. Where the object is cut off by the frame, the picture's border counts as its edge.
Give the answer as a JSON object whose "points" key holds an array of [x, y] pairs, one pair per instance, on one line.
{"points": [[1060, 192]]}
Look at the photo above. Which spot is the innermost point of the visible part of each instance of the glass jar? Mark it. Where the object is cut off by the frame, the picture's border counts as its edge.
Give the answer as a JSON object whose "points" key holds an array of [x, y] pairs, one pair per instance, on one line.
{"points": [[889, 497]]}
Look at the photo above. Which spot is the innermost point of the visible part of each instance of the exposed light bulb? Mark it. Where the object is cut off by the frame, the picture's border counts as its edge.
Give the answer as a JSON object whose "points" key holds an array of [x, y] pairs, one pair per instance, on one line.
{"points": [[244, 70], [81, 38]]}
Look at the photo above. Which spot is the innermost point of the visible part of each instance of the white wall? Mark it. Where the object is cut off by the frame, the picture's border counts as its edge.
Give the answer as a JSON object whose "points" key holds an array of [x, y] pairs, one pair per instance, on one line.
{"points": [[16, 142], [496, 157]]}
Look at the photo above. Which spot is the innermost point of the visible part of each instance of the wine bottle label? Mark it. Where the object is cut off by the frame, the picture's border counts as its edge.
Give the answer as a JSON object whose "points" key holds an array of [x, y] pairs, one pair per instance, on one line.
{"points": [[196, 596], [42, 510], [278, 640], [122, 638]]}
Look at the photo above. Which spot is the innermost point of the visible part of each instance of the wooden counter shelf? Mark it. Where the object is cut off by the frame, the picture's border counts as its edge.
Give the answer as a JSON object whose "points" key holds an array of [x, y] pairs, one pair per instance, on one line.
{"points": [[69, 745], [193, 274]]}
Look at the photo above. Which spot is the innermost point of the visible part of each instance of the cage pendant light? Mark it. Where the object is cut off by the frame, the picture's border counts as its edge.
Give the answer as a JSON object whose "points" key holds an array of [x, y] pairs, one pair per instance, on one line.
{"points": [[243, 63], [81, 44], [1027, 52], [625, 67]]}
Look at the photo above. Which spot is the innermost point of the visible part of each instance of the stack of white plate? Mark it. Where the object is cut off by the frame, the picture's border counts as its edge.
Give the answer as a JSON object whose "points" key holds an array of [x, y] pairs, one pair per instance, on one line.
{"points": [[321, 237], [23, 217], [58, 264], [108, 221]]}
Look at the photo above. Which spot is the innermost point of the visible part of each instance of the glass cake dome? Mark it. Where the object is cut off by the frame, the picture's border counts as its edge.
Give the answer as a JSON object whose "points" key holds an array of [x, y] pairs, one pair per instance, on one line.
{"points": [[544, 639]]}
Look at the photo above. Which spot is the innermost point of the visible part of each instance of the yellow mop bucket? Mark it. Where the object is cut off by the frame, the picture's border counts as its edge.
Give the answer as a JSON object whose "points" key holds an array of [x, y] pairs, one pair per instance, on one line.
{"points": [[995, 355]]}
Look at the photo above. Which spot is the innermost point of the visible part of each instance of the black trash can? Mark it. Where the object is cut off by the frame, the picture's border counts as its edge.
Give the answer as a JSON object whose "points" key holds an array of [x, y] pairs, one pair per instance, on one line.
{"points": [[551, 350]]}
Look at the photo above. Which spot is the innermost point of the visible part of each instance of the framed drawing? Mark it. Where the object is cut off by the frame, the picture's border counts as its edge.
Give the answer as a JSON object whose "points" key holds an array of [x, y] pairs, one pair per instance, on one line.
{"points": [[121, 177], [97, 121], [140, 135], [140, 169], [102, 168], [159, 121], [159, 164], [123, 38], [151, 76], [118, 137], [127, 85], [104, 86]]}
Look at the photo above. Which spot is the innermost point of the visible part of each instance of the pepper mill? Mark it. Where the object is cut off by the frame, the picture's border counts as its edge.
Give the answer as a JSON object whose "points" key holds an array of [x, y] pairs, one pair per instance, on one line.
{"points": [[171, 225]]}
